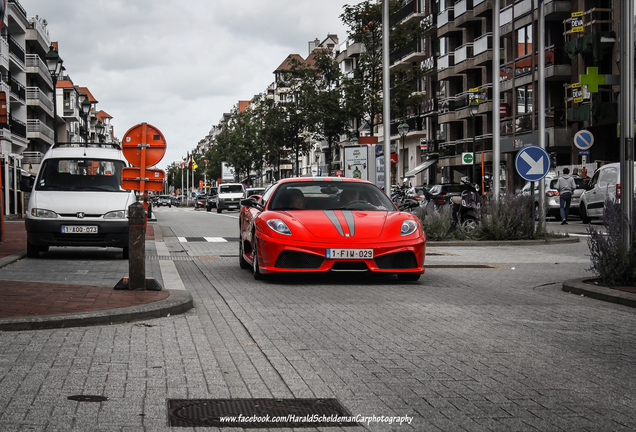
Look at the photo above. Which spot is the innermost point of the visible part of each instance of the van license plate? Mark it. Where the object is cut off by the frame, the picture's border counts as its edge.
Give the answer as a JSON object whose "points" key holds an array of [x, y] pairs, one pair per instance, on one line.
{"points": [[349, 253], [79, 229]]}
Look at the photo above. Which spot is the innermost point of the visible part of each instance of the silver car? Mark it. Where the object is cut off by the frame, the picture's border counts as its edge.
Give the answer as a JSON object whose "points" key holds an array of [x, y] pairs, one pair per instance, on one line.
{"points": [[552, 200]]}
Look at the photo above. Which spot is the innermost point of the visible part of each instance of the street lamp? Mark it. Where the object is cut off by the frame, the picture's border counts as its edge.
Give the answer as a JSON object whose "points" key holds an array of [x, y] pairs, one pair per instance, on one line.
{"points": [[86, 109], [473, 109], [54, 65], [99, 129], [403, 129]]}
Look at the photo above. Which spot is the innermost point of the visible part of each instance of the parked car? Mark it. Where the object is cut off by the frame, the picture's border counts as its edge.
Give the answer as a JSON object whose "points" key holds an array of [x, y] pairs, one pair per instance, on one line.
{"points": [[441, 194], [201, 201], [306, 225], [605, 183], [552, 200], [211, 201], [254, 191], [229, 196], [164, 200]]}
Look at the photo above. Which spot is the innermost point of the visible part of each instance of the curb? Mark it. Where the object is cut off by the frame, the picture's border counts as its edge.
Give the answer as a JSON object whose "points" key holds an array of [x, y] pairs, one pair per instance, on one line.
{"points": [[599, 292], [177, 302], [549, 241], [10, 259]]}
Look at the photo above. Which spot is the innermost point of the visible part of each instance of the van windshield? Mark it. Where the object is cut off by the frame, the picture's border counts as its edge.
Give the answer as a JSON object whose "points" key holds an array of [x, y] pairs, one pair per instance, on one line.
{"points": [[231, 188], [80, 175]]}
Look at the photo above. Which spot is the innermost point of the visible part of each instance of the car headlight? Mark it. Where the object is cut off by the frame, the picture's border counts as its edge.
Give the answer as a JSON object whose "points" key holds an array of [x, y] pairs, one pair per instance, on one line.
{"points": [[408, 227], [117, 214], [43, 213], [279, 226]]}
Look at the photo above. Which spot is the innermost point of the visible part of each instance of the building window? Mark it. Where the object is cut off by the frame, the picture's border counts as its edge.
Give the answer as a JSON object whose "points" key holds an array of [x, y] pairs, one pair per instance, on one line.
{"points": [[524, 41], [524, 99]]}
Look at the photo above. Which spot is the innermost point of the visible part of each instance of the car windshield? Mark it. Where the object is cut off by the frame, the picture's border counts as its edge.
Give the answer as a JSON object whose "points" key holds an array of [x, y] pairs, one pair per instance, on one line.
{"points": [[80, 175], [231, 189], [330, 195]]}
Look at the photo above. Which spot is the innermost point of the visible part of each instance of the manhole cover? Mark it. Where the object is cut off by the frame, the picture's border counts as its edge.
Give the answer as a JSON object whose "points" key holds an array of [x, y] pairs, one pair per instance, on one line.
{"points": [[258, 413], [88, 398]]}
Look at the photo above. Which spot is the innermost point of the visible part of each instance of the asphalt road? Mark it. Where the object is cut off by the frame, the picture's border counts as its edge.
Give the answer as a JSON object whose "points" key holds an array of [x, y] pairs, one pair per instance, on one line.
{"points": [[486, 340]]}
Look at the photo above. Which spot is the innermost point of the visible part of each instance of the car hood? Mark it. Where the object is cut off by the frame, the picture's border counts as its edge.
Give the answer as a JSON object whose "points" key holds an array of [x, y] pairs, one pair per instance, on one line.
{"points": [[93, 203], [335, 225]]}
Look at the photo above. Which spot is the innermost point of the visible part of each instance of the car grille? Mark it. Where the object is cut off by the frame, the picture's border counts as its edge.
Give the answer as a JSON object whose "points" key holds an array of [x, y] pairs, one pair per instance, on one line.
{"points": [[349, 266], [396, 261], [298, 260]]}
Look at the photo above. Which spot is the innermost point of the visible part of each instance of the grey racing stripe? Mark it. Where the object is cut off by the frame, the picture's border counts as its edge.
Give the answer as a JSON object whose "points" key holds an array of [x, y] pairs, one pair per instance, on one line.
{"points": [[334, 220], [351, 222]]}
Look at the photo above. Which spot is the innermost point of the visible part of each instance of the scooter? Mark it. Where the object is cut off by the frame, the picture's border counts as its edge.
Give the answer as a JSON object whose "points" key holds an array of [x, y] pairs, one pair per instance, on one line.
{"points": [[402, 200], [466, 207]]}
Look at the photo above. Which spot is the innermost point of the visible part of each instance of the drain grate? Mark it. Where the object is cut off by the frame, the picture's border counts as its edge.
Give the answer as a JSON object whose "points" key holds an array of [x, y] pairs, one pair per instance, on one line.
{"points": [[258, 413], [87, 398]]}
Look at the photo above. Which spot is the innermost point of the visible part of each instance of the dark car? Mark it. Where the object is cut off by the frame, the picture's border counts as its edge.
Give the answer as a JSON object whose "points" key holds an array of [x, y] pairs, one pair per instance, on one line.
{"points": [[201, 201], [164, 200], [211, 200], [441, 194]]}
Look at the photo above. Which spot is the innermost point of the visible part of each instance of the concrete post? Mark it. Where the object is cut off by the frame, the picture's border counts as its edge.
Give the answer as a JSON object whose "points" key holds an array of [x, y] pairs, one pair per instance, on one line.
{"points": [[137, 247]]}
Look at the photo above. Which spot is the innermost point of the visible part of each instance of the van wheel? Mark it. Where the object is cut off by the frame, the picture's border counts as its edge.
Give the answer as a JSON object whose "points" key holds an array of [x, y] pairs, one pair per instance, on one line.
{"points": [[584, 217], [126, 253], [32, 251], [219, 210]]}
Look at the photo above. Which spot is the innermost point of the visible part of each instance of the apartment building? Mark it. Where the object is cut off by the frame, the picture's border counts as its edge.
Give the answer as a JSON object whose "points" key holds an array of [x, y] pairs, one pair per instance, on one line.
{"points": [[29, 93]]}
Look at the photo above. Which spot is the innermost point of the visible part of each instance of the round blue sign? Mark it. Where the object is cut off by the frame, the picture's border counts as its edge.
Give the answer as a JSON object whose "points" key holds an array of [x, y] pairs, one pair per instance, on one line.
{"points": [[532, 163], [583, 139]]}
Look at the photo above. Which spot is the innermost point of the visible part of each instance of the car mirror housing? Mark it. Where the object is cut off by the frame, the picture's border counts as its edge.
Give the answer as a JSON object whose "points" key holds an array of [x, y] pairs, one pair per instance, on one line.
{"points": [[251, 202]]}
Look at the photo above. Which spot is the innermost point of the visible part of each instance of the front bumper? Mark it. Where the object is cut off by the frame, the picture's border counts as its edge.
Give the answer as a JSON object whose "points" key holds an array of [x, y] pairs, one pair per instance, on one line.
{"points": [[48, 232], [288, 256]]}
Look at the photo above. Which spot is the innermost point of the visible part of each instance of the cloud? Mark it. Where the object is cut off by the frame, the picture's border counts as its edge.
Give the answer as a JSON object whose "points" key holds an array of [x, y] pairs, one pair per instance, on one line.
{"points": [[180, 65]]}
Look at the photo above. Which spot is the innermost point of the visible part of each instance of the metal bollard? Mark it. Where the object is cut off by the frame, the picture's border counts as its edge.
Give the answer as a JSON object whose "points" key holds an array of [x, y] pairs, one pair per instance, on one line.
{"points": [[137, 247]]}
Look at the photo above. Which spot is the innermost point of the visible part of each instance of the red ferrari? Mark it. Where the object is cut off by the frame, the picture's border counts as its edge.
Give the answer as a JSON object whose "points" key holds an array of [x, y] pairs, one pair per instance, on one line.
{"points": [[324, 224]]}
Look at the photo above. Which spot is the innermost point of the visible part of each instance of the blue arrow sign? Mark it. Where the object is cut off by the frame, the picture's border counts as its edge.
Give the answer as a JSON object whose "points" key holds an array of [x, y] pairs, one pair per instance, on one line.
{"points": [[532, 163]]}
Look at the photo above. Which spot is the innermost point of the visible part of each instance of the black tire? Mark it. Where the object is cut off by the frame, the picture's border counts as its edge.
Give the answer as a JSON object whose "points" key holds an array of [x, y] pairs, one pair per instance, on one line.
{"points": [[242, 262], [32, 251], [208, 209], [219, 210], [126, 253], [409, 277], [256, 270], [583, 213]]}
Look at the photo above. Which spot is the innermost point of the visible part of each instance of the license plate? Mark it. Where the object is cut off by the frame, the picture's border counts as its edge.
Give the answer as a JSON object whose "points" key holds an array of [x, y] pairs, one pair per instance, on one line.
{"points": [[232, 206], [349, 253], [79, 229]]}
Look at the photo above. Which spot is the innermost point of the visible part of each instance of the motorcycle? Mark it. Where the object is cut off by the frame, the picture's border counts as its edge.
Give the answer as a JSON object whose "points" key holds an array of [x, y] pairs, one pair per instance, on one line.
{"points": [[466, 207], [402, 200]]}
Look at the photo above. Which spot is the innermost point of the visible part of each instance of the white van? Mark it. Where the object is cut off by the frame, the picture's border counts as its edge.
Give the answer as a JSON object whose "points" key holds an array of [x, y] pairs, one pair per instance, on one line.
{"points": [[229, 197], [78, 200], [604, 184]]}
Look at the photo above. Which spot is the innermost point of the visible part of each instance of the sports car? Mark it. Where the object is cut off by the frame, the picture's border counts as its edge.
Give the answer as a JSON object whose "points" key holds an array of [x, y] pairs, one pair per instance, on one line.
{"points": [[324, 224]]}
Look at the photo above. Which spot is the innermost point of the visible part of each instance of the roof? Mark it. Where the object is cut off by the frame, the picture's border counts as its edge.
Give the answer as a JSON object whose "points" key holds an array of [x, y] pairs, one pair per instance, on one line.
{"points": [[103, 114], [88, 93], [64, 84]]}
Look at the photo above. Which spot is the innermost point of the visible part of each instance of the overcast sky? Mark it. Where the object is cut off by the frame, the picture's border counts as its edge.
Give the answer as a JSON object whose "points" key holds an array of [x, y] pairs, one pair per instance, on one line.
{"points": [[180, 65]]}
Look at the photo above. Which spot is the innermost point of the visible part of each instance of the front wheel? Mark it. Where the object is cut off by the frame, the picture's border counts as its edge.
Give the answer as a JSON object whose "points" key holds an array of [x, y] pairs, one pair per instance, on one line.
{"points": [[242, 263], [256, 269], [219, 210], [32, 251], [409, 277], [469, 224], [584, 217]]}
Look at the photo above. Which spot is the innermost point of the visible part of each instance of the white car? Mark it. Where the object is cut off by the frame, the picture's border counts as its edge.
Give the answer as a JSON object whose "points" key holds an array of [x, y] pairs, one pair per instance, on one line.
{"points": [[605, 183], [552, 200], [229, 197]]}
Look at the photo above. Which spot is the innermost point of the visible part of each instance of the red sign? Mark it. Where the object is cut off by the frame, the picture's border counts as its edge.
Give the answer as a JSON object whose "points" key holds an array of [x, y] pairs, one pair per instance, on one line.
{"points": [[394, 158], [131, 179], [144, 145], [338, 173]]}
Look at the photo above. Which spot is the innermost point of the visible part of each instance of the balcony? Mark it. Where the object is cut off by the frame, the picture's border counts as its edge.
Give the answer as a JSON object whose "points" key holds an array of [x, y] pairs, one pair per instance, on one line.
{"points": [[35, 97], [35, 65], [4, 54], [557, 68], [37, 32], [18, 127], [18, 91], [38, 130], [445, 22], [446, 61], [16, 51]]}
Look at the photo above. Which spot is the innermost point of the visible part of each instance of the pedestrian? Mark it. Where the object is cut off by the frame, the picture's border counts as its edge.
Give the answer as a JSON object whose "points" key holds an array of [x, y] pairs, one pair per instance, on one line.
{"points": [[565, 186]]}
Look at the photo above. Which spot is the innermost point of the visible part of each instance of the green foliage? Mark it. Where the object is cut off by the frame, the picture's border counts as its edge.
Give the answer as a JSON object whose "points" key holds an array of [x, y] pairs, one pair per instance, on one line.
{"points": [[609, 261], [506, 219]]}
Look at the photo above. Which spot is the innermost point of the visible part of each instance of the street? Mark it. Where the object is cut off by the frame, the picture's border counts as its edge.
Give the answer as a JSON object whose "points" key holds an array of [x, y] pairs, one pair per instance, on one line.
{"points": [[486, 340]]}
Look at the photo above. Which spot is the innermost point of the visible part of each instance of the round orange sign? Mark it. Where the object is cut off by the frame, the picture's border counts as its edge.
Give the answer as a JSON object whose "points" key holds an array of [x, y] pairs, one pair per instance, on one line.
{"points": [[144, 145]]}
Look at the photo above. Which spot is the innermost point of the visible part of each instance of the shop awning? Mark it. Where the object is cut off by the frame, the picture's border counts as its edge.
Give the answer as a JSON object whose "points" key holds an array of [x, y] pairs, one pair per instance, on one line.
{"points": [[421, 167]]}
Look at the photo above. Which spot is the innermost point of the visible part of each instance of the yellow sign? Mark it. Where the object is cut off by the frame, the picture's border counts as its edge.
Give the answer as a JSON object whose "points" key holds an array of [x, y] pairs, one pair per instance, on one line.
{"points": [[577, 93], [577, 22]]}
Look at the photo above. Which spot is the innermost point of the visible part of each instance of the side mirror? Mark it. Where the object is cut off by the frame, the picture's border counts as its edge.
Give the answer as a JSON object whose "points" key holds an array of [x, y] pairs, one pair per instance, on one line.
{"points": [[26, 184], [250, 202]]}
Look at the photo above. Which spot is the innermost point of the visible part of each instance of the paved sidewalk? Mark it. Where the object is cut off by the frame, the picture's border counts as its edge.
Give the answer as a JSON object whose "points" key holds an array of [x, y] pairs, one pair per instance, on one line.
{"points": [[38, 305]]}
